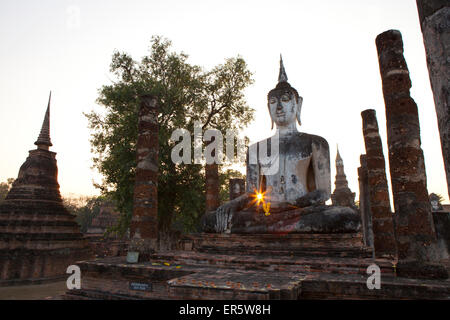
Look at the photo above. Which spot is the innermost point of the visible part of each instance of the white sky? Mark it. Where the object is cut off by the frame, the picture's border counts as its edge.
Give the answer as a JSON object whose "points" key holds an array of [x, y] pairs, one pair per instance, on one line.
{"points": [[328, 49]]}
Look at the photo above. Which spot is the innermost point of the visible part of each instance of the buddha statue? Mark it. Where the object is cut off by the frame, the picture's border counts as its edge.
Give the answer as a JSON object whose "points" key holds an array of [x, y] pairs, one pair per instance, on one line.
{"points": [[286, 190]]}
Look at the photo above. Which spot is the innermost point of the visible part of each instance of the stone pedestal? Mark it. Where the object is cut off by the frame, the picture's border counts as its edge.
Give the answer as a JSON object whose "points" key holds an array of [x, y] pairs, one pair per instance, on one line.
{"points": [[254, 266], [435, 23], [237, 188], [416, 238], [144, 224], [312, 219], [382, 220], [364, 202]]}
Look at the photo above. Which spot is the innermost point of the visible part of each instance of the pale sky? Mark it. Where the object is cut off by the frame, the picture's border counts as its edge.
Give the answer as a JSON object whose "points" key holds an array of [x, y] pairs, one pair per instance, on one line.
{"points": [[328, 50]]}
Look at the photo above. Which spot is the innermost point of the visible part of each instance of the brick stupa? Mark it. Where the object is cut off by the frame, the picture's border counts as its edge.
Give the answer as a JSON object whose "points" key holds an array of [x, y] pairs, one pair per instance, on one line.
{"points": [[39, 238], [342, 195]]}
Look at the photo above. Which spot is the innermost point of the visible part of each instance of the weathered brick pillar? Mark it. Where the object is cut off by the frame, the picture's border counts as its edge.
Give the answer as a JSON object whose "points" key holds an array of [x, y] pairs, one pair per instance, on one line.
{"points": [[144, 223], [434, 18], [212, 187], [382, 220], [364, 201], [416, 238], [237, 188]]}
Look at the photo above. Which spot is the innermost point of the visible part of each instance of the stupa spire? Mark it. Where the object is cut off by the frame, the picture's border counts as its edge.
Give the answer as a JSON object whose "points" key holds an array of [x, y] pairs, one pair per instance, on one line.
{"points": [[43, 141], [282, 77], [338, 155], [342, 195]]}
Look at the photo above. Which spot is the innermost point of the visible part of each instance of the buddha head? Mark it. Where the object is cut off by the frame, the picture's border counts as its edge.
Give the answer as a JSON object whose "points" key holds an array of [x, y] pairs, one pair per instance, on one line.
{"points": [[284, 102]]}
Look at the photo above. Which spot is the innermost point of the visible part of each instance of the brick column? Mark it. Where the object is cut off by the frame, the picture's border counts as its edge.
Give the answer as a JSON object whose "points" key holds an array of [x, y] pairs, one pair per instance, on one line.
{"points": [[382, 220], [434, 18], [416, 238], [364, 201], [237, 188], [144, 223], [212, 187]]}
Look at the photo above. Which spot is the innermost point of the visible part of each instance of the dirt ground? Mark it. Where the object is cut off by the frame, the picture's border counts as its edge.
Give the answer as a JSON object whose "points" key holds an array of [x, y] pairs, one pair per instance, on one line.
{"points": [[34, 292]]}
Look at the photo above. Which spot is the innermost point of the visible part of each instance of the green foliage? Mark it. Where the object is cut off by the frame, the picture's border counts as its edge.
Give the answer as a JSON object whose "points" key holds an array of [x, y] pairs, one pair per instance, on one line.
{"points": [[85, 209], [5, 187], [186, 94]]}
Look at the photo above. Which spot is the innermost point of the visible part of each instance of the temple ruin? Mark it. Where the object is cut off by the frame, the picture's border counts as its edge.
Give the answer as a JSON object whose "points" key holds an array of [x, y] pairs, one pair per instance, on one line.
{"points": [[39, 238], [300, 248], [342, 195]]}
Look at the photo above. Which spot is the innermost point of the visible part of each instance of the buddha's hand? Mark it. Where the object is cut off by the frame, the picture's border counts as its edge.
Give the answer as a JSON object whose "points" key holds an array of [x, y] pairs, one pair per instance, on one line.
{"points": [[224, 214], [313, 198]]}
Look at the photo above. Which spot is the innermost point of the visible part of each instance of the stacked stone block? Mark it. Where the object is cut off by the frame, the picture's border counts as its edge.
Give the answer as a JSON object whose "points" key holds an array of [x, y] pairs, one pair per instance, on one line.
{"points": [[144, 223], [382, 220], [417, 250], [364, 202]]}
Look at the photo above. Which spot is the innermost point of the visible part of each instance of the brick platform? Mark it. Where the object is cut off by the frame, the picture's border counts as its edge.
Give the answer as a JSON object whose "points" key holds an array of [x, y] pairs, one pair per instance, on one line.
{"points": [[217, 266]]}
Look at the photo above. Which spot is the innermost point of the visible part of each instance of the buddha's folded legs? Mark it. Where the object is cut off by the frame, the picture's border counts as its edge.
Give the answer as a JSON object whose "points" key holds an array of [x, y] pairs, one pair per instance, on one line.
{"points": [[314, 219]]}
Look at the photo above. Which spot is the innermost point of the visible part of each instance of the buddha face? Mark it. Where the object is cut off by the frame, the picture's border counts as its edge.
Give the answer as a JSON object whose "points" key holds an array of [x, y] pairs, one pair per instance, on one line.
{"points": [[283, 107]]}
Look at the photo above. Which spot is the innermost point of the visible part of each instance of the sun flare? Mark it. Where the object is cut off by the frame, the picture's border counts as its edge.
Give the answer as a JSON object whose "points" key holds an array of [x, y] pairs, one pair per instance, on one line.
{"points": [[259, 197]]}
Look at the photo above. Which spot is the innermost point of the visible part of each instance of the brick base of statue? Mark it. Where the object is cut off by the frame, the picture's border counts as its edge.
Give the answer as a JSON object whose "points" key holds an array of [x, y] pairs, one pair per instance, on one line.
{"points": [[254, 266]]}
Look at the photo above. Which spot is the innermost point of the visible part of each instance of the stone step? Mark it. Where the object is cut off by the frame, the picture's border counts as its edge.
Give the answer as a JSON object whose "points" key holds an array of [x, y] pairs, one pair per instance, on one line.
{"points": [[246, 285], [302, 245], [273, 263], [110, 279], [236, 285], [339, 286], [359, 252], [273, 241], [85, 294], [20, 236]]}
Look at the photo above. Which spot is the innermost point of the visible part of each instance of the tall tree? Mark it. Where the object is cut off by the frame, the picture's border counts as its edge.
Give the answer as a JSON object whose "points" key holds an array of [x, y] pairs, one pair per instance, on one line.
{"points": [[186, 94], [5, 187], [85, 209]]}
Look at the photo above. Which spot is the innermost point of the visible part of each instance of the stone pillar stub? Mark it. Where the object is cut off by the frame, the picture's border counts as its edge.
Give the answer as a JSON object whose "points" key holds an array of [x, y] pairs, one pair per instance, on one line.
{"points": [[237, 188], [382, 220], [212, 187], [364, 202], [434, 18], [144, 223], [416, 238]]}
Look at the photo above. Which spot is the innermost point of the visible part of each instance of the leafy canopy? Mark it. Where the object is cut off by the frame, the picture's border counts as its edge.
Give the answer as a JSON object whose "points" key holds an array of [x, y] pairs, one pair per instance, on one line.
{"points": [[186, 93]]}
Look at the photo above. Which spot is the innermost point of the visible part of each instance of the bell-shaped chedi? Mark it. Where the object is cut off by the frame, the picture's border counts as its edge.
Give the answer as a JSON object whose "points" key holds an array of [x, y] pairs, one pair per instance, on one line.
{"points": [[39, 238], [342, 195]]}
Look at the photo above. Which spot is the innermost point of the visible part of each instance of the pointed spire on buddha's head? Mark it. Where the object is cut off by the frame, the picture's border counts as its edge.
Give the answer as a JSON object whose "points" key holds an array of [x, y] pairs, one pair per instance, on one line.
{"points": [[282, 84], [283, 87], [43, 141], [282, 76]]}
